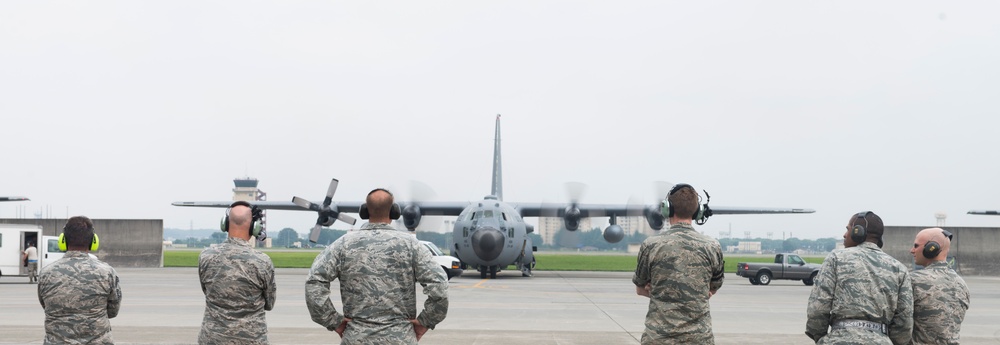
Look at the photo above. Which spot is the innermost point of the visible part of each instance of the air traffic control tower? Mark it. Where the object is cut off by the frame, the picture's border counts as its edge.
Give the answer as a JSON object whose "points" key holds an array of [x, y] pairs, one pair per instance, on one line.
{"points": [[246, 190]]}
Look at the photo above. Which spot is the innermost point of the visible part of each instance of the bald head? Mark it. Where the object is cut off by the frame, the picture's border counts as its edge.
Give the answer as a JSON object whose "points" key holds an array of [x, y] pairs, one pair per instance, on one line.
{"points": [[379, 203], [239, 222], [930, 235]]}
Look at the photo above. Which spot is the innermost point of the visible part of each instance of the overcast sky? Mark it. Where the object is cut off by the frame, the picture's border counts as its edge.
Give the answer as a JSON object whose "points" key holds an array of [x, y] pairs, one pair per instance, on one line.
{"points": [[115, 109]]}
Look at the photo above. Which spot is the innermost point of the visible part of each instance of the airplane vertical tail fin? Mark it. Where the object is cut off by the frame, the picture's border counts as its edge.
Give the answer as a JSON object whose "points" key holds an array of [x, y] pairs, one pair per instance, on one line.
{"points": [[497, 189]]}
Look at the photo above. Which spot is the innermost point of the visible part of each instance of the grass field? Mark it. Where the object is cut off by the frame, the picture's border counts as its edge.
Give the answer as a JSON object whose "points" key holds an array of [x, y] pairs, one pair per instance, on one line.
{"points": [[545, 261]]}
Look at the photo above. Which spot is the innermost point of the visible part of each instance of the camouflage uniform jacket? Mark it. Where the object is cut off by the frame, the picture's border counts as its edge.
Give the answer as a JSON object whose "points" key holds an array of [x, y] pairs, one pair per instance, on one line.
{"points": [[377, 267], [80, 294], [861, 283], [238, 283], [682, 266], [940, 299]]}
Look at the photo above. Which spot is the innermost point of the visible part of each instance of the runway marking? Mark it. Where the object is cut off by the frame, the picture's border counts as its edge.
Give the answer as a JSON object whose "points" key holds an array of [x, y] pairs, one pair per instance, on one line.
{"points": [[480, 285]]}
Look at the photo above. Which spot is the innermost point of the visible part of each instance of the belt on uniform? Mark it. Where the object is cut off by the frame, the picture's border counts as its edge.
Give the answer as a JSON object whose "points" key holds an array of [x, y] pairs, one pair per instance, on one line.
{"points": [[863, 324]]}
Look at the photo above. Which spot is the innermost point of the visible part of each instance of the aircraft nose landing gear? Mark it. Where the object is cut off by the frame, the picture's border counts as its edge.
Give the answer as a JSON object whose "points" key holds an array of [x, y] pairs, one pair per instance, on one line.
{"points": [[492, 270]]}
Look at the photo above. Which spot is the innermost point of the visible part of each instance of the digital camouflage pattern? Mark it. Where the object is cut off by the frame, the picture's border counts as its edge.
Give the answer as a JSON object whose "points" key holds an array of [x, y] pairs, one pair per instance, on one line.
{"points": [[861, 283], [940, 299], [238, 282], [377, 267], [79, 294], [682, 266]]}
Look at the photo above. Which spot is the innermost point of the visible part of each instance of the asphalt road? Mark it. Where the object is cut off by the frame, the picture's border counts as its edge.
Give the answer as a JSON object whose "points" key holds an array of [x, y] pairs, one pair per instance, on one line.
{"points": [[165, 305]]}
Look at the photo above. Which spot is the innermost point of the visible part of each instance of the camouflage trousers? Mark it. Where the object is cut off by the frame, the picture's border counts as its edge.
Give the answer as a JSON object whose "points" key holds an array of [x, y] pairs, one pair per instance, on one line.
{"points": [[32, 272]]}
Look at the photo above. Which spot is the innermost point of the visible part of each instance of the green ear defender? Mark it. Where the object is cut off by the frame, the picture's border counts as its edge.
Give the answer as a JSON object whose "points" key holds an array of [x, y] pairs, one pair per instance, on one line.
{"points": [[255, 225]]}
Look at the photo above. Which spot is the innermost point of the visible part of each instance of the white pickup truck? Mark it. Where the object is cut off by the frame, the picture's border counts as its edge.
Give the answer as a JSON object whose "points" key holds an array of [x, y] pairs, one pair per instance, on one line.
{"points": [[450, 264]]}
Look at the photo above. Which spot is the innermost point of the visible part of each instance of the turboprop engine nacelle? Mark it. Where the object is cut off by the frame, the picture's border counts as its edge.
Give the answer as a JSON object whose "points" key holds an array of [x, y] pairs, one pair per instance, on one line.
{"points": [[654, 217], [411, 216], [328, 216], [614, 233], [571, 219]]}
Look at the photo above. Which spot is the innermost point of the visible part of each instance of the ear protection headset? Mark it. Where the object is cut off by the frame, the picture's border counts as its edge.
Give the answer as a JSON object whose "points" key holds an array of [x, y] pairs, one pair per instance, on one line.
{"points": [[858, 232], [94, 243], [255, 215], [394, 211], [668, 210], [932, 249]]}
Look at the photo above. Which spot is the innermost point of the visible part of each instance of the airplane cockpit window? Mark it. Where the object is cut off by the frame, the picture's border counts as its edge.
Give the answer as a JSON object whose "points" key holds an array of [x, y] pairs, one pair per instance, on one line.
{"points": [[474, 215], [488, 213], [504, 214]]}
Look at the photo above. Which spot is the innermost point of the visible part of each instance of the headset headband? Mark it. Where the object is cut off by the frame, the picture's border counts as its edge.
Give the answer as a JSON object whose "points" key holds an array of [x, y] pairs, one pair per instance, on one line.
{"points": [[381, 189], [678, 187], [240, 203]]}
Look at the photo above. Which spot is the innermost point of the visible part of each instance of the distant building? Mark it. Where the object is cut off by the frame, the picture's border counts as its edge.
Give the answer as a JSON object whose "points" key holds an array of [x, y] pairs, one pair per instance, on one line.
{"points": [[749, 247], [636, 224], [549, 226], [246, 190]]}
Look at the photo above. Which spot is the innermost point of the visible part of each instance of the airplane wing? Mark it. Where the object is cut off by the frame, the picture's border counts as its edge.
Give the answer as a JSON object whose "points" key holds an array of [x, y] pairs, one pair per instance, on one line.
{"points": [[985, 212], [13, 198], [604, 210], [267, 205], [426, 208]]}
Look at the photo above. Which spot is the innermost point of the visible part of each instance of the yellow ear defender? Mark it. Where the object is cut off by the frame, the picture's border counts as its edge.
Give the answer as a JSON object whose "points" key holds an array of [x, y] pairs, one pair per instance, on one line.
{"points": [[93, 244]]}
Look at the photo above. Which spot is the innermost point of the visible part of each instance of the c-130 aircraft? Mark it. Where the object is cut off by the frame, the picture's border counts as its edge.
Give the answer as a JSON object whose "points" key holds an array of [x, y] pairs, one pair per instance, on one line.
{"points": [[491, 234]]}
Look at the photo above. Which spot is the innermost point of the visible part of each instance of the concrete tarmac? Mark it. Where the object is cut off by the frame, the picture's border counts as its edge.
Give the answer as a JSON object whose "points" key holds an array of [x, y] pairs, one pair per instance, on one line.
{"points": [[165, 306]]}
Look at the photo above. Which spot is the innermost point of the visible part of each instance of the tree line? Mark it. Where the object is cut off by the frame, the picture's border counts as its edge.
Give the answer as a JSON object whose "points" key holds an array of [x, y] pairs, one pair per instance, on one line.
{"points": [[592, 239]]}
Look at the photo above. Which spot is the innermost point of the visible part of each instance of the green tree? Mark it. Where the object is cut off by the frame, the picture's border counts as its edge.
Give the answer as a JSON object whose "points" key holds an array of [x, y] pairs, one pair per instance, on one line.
{"points": [[792, 244], [536, 240], [286, 237], [327, 236], [219, 237], [440, 240]]}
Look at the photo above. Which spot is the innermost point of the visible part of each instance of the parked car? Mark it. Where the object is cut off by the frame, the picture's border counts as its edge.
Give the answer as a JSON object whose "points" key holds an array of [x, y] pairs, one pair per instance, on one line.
{"points": [[450, 264], [785, 266]]}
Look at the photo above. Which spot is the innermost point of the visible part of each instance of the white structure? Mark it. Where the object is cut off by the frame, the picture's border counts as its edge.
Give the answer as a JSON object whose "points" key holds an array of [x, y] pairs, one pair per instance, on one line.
{"points": [[246, 190], [940, 216], [637, 224], [549, 226], [749, 247]]}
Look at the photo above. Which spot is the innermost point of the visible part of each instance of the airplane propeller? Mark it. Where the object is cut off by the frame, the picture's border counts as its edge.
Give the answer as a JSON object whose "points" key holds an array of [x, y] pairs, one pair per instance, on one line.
{"points": [[327, 214], [661, 188], [572, 215], [412, 215]]}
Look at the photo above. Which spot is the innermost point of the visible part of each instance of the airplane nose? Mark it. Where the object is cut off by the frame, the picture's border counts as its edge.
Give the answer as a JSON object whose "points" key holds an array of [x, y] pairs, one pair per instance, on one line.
{"points": [[487, 243]]}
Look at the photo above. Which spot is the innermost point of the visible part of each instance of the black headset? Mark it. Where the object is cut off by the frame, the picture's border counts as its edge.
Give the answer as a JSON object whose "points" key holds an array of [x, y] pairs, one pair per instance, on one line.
{"points": [[668, 210], [932, 249], [859, 233], [255, 215], [394, 211]]}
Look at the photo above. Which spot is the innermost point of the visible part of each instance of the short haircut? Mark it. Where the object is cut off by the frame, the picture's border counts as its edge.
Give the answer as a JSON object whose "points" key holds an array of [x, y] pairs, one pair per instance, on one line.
{"points": [[873, 226], [379, 204], [684, 202], [79, 232], [240, 217]]}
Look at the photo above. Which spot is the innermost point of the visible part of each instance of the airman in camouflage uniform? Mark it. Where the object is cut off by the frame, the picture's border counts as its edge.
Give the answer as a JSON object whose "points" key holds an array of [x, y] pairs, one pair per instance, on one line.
{"points": [[238, 282], [940, 296], [679, 270], [377, 267], [862, 293], [79, 293]]}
